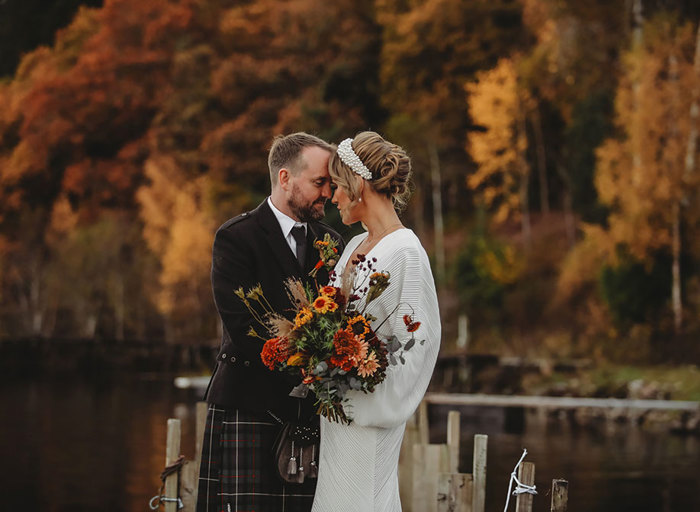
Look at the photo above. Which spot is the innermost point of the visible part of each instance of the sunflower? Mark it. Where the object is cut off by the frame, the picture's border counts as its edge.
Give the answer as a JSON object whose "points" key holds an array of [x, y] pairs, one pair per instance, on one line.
{"points": [[328, 291], [324, 304], [303, 316], [358, 325]]}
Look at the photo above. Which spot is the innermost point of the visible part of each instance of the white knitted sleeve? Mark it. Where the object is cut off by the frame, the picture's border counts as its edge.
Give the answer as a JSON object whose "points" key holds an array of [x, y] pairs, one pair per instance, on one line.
{"points": [[413, 289]]}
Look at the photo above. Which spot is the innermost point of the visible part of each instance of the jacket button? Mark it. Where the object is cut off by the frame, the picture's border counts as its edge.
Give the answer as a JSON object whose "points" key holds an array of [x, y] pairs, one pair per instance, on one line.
{"points": [[246, 363], [233, 359]]}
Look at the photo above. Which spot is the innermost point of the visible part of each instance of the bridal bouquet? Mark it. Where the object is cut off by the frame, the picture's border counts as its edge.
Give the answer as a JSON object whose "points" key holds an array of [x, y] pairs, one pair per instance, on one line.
{"points": [[330, 344]]}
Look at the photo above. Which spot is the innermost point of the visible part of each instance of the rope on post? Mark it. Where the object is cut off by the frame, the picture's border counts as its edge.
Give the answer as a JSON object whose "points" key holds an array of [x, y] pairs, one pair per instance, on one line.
{"points": [[520, 488], [160, 498]]}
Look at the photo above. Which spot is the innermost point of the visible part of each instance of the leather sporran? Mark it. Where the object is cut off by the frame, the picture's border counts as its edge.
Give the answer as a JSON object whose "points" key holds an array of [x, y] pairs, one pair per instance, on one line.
{"points": [[295, 451]]}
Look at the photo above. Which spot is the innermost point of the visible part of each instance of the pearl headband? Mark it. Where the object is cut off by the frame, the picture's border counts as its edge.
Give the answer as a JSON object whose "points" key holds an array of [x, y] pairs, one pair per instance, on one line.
{"points": [[350, 158]]}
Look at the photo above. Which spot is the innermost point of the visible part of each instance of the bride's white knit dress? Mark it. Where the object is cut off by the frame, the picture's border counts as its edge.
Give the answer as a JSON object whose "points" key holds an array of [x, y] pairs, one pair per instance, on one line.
{"points": [[359, 462]]}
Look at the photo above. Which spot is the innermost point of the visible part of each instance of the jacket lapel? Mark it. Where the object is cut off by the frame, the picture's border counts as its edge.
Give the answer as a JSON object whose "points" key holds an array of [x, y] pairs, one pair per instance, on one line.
{"points": [[272, 233], [312, 235]]}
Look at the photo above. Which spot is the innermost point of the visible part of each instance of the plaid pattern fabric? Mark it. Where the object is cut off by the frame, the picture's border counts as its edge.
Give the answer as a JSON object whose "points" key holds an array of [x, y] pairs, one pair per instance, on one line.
{"points": [[237, 473]]}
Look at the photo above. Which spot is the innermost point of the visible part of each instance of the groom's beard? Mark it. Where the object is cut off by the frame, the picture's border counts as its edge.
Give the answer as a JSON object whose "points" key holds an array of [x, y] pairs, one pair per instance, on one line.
{"points": [[306, 212]]}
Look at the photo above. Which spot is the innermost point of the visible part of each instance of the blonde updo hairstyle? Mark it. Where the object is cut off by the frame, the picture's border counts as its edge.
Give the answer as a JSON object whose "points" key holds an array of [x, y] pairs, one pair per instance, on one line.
{"points": [[389, 164]]}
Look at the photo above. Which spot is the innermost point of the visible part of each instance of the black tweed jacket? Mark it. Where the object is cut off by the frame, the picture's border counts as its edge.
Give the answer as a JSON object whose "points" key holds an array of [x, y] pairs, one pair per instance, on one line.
{"points": [[250, 249]]}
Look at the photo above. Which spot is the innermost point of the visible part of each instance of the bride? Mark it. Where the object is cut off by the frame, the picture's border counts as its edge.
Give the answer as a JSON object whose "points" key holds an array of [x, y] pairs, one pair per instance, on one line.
{"points": [[359, 462]]}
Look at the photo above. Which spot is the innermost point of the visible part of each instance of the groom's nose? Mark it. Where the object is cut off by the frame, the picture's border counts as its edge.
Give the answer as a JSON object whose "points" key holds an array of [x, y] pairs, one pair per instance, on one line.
{"points": [[326, 191]]}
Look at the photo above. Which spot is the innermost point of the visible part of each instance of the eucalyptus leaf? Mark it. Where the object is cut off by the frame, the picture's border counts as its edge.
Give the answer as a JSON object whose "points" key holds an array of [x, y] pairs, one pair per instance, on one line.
{"points": [[392, 359], [409, 344], [393, 344], [403, 361]]}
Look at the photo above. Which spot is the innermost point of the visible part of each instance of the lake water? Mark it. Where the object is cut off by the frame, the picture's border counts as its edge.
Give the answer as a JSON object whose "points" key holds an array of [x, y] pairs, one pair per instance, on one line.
{"points": [[99, 445]]}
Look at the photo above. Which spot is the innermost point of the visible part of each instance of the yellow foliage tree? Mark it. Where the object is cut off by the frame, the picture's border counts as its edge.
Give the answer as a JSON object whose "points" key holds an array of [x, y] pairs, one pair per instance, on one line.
{"points": [[179, 229], [646, 174], [640, 175], [497, 104]]}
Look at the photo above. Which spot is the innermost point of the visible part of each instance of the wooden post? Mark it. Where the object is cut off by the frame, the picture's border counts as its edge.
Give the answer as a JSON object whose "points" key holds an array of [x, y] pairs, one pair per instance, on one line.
{"points": [[560, 495], [172, 452], [201, 419], [453, 435], [526, 474], [423, 427], [479, 472], [428, 461], [454, 492], [188, 486], [189, 474], [410, 438]]}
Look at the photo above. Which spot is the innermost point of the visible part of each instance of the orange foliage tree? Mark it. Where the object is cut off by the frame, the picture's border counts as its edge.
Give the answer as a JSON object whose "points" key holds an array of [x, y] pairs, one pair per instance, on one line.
{"points": [[200, 85]]}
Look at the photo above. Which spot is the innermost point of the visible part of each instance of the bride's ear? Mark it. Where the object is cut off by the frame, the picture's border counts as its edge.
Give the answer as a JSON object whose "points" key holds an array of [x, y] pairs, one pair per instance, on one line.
{"points": [[360, 190]]}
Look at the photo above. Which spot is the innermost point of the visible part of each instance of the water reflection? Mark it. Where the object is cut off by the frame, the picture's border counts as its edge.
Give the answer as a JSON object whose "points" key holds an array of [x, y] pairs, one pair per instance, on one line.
{"points": [[609, 466], [78, 445]]}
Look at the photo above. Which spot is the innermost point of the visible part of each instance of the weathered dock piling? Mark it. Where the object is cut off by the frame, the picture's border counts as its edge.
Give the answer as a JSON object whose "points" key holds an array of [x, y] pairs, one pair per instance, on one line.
{"points": [[526, 474], [429, 477], [180, 477], [560, 495]]}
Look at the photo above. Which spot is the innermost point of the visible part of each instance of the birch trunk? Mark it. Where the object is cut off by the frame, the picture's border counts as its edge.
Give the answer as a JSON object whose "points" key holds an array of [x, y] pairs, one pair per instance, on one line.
{"points": [[521, 144], [541, 159], [672, 163], [688, 171], [437, 213], [569, 219], [637, 35], [119, 306], [676, 269]]}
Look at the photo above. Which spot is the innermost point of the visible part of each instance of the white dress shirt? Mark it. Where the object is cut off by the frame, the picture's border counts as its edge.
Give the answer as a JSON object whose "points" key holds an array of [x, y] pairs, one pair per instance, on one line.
{"points": [[286, 223]]}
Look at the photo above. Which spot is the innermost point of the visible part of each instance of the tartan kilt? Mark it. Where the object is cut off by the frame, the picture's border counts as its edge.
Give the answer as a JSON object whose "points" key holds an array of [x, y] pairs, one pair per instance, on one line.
{"points": [[237, 472]]}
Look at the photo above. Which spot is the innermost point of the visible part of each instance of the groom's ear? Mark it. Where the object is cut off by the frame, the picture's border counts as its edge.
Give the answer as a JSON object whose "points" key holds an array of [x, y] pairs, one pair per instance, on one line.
{"points": [[283, 178]]}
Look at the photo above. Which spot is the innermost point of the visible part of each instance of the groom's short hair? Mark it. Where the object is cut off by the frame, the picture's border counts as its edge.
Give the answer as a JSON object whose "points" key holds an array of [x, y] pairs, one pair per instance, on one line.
{"points": [[286, 152]]}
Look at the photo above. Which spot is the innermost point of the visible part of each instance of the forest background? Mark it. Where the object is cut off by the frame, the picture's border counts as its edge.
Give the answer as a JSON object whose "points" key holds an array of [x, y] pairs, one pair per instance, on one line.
{"points": [[555, 149]]}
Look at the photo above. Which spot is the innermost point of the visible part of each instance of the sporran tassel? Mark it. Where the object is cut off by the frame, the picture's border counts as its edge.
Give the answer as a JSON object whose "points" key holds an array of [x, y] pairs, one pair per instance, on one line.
{"points": [[292, 466], [313, 468], [301, 466]]}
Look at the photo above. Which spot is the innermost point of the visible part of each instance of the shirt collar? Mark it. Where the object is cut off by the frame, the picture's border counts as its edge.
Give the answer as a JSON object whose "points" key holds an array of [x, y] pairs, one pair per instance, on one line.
{"points": [[285, 221]]}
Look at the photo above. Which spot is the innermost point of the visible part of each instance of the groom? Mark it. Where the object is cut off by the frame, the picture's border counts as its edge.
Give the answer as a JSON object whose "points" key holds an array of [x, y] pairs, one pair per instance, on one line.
{"points": [[247, 402]]}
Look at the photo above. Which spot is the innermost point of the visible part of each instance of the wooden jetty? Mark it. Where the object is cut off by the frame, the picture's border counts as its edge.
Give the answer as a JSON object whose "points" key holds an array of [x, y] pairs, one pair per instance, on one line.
{"points": [[553, 402], [429, 477], [675, 415]]}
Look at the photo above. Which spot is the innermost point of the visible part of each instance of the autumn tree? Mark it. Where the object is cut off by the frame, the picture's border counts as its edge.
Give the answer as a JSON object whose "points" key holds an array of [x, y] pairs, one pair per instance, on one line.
{"points": [[179, 227], [498, 105], [641, 174], [200, 85], [430, 49]]}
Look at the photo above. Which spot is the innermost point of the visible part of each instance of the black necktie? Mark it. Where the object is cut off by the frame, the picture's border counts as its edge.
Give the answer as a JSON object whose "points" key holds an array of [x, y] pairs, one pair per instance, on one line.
{"points": [[299, 234]]}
